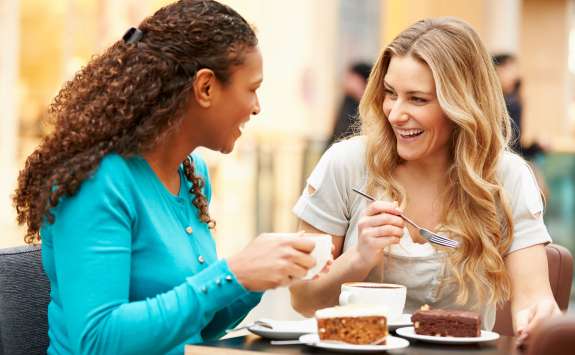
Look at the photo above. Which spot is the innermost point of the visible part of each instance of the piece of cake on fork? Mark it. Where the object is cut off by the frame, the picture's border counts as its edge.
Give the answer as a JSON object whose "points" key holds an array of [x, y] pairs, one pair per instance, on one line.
{"points": [[354, 324], [446, 322]]}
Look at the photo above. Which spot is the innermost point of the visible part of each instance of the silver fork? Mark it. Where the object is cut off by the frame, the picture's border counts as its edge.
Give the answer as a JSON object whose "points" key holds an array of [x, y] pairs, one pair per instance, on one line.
{"points": [[425, 233], [261, 323]]}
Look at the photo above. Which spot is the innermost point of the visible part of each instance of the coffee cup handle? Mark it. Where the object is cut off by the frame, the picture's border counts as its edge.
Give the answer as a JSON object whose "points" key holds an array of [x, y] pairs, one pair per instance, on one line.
{"points": [[345, 298]]}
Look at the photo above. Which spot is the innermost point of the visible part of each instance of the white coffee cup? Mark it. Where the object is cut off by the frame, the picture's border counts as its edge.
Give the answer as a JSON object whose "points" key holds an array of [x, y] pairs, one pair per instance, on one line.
{"points": [[392, 296], [321, 252]]}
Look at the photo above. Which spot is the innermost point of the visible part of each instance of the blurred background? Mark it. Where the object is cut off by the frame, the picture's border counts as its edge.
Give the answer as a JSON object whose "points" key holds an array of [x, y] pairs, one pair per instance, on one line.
{"points": [[308, 48]]}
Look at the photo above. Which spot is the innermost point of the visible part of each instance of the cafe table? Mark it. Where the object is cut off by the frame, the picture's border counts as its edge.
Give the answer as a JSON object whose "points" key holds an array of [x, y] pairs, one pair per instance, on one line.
{"points": [[252, 344]]}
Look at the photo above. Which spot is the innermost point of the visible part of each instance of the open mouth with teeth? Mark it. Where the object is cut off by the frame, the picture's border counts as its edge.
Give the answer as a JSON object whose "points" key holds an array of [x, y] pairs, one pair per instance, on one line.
{"points": [[410, 133]]}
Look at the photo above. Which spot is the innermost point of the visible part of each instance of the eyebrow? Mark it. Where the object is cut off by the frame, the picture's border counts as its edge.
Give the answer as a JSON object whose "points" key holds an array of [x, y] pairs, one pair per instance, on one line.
{"points": [[412, 92]]}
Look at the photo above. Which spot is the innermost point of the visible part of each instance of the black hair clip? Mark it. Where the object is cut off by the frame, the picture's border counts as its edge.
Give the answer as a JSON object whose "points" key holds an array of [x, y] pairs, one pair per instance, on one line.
{"points": [[133, 35]]}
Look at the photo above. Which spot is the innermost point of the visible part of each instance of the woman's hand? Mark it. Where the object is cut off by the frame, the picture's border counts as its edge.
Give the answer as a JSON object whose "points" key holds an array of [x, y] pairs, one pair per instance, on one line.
{"points": [[272, 261], [380, 227], [531, 297], [529, 318]]}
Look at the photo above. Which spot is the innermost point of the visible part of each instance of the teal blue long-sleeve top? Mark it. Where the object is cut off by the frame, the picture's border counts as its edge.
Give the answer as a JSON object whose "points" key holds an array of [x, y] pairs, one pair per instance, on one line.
{"points": [[132, 268]]}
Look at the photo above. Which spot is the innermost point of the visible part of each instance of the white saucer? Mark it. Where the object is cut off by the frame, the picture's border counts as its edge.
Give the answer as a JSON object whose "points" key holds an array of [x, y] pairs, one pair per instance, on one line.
{"points": [[403, 320], [392, 344], [409, 332], [285, 329]]}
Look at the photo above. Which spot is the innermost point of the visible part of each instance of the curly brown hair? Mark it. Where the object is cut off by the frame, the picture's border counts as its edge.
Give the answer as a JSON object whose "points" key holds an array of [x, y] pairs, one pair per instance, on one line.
{"points": [[127, 99]]}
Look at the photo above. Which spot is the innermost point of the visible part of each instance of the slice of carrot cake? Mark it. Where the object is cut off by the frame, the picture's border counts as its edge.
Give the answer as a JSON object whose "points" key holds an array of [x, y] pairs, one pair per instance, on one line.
{"points": [[353, 324]]}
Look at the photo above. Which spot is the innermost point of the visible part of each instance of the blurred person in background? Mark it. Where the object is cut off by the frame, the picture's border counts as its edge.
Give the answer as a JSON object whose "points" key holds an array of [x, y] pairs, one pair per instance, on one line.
{"points": [[507, 69], [121, 204], [354, 83], [434, 145]]}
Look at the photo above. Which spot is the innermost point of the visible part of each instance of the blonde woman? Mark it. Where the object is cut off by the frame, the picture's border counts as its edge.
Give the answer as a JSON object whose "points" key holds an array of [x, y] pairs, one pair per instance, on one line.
{"points": [[434, 145]]}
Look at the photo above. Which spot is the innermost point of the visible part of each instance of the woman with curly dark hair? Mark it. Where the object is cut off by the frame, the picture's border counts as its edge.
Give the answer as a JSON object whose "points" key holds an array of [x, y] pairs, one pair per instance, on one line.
{"points": [[120, 204]]}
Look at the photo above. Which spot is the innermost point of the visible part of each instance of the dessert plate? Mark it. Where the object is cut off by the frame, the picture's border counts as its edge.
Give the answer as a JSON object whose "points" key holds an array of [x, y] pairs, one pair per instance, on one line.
{"points": [[391, 344], [293, 329], [409, 332], [285, 329]]}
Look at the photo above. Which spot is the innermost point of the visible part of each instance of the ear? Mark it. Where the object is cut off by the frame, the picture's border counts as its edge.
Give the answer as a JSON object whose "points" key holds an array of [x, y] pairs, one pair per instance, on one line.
{"points": [[204, 87]]}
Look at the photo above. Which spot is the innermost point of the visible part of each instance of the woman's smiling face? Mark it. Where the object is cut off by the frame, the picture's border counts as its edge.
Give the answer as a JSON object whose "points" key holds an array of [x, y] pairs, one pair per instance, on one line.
{"points": [[237, 102], [420, 126]]}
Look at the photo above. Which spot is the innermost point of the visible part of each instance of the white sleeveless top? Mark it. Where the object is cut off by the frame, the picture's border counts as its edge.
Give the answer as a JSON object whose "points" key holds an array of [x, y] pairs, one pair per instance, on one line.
{"points": [[335, 209]]}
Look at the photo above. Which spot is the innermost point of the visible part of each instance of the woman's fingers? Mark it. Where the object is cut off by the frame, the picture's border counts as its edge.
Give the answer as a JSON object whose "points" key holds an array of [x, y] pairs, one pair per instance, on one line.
{"points": [[378, 207], [303, 260], [379, 228], [298, 259], [294, 271], [541, 311], [529, 318], [271, 261], [380, 219], [383, 231], [301, 244]]}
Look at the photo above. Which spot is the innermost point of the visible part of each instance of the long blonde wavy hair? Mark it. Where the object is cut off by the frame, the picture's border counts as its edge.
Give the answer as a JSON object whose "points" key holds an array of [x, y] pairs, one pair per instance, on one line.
{"points": [[475, 210]]}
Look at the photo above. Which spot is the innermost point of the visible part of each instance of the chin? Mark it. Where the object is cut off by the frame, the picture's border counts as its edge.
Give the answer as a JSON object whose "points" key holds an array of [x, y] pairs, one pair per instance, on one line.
{"points": [[407, 156], [227, 149]]}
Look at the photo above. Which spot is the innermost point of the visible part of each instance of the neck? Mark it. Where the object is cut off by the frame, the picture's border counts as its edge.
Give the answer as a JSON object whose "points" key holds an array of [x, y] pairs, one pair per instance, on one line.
{"points": [[433, 170], [165, 159]]}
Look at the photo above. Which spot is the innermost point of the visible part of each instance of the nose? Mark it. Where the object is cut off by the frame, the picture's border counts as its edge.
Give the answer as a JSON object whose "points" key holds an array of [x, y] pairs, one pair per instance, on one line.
{"points": [[396, 113], [256, 108]]}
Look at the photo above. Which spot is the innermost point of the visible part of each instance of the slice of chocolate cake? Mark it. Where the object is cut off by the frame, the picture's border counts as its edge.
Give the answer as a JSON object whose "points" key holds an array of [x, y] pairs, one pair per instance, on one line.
{"points": [[443, 322], [353, 324]]}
